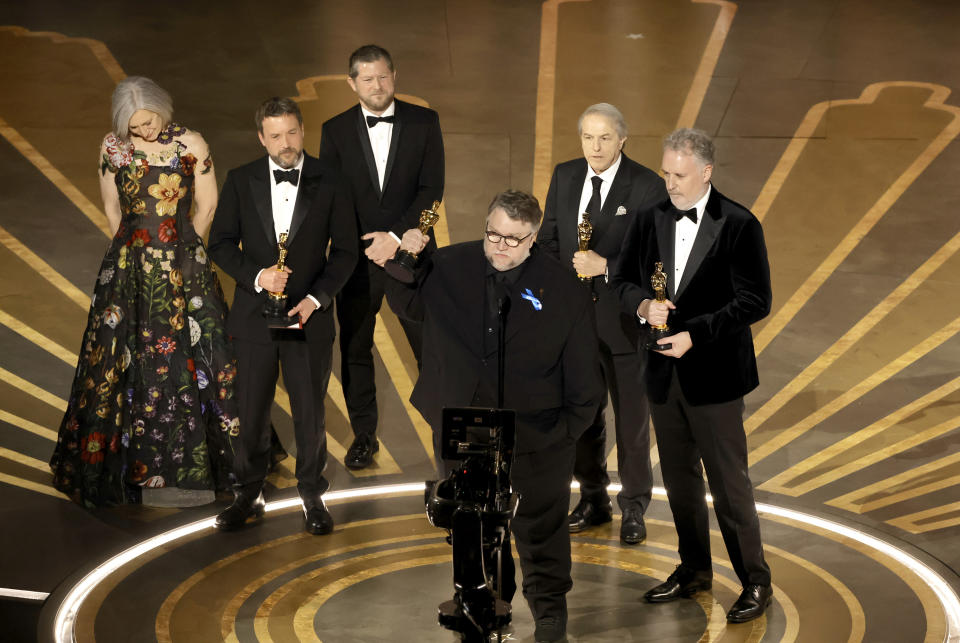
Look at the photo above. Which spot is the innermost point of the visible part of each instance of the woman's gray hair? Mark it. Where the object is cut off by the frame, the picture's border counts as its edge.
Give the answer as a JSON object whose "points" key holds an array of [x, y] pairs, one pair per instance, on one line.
{"points": [[692, 141], [133, 94], [608, 110]]}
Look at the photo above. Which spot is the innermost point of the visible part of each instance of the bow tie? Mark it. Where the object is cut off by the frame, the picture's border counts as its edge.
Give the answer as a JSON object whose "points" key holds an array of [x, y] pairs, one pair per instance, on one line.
{"points": [[373, 120], [679, 214], [292, 176]]}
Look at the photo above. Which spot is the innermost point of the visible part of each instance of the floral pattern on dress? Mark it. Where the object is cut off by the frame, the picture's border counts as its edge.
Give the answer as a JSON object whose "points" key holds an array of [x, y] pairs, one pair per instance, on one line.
{"points": [[143, 409]]}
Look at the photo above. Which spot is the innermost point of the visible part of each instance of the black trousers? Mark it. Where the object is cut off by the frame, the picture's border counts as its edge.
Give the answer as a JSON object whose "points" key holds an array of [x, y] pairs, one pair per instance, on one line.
{"points": [[713, 434], [306, 373], [357, 306], [623, 375], [541, 537]]}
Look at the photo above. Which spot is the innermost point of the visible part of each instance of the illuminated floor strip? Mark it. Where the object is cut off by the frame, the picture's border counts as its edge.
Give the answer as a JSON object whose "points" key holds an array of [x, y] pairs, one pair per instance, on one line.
{"points": [[23, 594], [67, 613]]}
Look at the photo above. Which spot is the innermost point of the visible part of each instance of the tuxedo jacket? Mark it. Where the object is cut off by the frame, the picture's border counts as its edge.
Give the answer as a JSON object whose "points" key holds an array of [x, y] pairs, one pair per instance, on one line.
{"points": [[725, 287], [414, 173], [633, 191], [552, 377], [243, 241]]}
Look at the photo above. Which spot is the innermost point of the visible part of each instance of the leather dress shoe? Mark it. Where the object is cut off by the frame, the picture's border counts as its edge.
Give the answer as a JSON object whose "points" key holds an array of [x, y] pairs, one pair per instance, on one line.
{"points": [[682, 583], [316, 519], [549, 630], [360, 453], [588, 513], [633, 531], [753, 601], [245, 505]]}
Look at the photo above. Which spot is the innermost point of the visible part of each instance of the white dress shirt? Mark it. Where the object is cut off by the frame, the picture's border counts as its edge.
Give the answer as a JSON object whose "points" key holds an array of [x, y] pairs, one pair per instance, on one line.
{"points": [[283, 198], [683, 237], [380, 135], [607, 177]]}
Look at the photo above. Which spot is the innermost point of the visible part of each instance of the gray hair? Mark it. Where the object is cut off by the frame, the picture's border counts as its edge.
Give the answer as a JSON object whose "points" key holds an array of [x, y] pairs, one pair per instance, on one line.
{"points": [[133, 94], [608, 110], [692, 141], [519, 206]]}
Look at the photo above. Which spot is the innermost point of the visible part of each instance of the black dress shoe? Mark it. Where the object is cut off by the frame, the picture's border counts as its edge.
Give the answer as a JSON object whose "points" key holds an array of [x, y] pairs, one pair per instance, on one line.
{"points": [[682, 583], [245, 505], [549, 630], [588, 513], [317, 520], [360, 453], [632, 529], [753, 601]]}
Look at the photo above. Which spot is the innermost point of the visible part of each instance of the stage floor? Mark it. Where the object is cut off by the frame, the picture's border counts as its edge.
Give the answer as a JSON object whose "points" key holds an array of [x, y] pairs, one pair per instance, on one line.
{"points": [[836, 123]]}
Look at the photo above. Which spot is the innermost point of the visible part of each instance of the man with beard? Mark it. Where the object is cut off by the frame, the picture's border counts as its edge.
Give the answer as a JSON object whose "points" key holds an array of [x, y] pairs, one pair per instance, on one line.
{"points": [[551, 374], [283, 192], [390, 153]]}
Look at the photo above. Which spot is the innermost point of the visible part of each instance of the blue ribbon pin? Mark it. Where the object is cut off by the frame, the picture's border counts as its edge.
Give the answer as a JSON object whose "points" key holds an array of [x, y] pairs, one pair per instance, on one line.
{"points": [[528, 295]]}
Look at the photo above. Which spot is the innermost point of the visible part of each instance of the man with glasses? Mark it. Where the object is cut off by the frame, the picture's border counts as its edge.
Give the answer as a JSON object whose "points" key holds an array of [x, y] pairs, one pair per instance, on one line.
{"points": [[551, 374]]}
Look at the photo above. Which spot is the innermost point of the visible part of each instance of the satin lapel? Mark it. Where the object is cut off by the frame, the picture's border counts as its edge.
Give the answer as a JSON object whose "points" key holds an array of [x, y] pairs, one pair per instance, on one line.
{"points": [[616, 197], [394, 145], [368, 154], [707, 235], [305, 194], [666, 227], [260, 189]]}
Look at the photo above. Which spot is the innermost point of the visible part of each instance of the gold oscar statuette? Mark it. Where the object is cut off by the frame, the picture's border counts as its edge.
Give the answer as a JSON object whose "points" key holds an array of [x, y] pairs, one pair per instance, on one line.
{"points": [[275, 310], [402, 266], [584, 232], [657, 331]]}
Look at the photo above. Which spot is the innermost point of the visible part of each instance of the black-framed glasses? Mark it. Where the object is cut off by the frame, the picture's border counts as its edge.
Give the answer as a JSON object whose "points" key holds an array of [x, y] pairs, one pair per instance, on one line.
{"points": [[512, 242]]}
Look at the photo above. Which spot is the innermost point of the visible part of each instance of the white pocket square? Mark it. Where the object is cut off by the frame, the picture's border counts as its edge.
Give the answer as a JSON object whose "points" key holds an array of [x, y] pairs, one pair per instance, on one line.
{"points": [[621, 211]]}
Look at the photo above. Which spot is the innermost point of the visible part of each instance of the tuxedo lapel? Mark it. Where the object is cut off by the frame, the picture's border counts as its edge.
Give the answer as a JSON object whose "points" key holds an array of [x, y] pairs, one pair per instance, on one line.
{"points": [[394, 145], [616, 196], [571, 204], [260, 189], [666, 228], [305, 194], [368, 153], [707, 234]]}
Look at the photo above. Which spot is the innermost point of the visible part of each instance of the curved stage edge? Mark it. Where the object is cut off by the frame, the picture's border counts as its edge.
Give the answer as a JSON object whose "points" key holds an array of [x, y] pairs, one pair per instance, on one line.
{"points": [[815, 593]]}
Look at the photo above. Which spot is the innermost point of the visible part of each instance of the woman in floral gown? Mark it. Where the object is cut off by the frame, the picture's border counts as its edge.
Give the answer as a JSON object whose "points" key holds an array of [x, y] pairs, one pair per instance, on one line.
{"points": [[152, 414]]}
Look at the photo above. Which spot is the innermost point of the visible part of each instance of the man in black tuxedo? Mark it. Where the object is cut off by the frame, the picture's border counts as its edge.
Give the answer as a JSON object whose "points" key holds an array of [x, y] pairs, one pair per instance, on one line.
{"points": [[285, 191], [717, 285], [390, 153], [614, 190], [551, 377]]}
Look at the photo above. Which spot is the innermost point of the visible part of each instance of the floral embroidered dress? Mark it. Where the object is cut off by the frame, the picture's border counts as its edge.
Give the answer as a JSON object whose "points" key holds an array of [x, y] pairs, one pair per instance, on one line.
{"points": [[152, 404]]}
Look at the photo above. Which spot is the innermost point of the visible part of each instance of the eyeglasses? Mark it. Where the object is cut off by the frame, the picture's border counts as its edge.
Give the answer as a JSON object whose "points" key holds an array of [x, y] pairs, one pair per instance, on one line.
{"points": [[512, 242]]}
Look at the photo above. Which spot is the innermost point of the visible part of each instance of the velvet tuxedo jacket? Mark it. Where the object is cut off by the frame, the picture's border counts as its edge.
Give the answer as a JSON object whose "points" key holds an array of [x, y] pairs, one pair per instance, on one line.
{"points": [[633, 191], [414, 173], [552, 376], [725, 287], [243, 241]]}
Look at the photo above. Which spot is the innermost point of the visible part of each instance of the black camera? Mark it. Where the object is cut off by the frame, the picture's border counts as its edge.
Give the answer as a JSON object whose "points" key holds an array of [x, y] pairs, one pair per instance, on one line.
{"points": [[476, 503]]}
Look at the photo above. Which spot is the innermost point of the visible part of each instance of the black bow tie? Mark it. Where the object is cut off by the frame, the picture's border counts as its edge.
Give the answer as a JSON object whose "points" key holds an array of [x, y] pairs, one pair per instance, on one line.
{"points": [[293, 176], [373, 120], [679, 214]]}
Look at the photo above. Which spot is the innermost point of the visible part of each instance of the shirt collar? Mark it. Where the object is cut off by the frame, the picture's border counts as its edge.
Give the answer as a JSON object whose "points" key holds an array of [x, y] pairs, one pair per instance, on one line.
{"points": [[389, 111], [273, 166], [607, 174], [701, 205]]}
